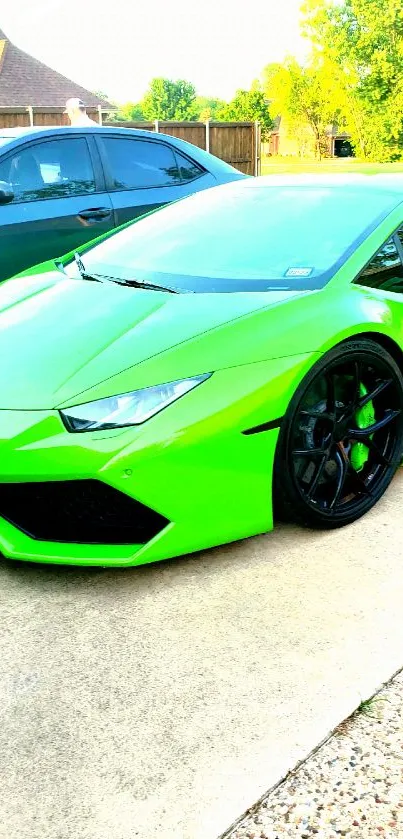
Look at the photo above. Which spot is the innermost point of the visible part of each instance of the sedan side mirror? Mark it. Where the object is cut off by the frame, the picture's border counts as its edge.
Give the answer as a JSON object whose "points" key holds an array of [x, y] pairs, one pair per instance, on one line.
{"points": [[6, 193]]}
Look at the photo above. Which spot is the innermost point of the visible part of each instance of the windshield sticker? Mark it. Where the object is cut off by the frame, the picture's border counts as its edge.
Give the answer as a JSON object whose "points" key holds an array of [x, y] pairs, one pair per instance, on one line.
{"points": [[298, 272]]}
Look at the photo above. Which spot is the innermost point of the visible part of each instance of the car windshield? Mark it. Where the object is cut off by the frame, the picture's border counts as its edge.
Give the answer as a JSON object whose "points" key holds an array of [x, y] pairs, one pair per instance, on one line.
{"points": [[255, 238]]}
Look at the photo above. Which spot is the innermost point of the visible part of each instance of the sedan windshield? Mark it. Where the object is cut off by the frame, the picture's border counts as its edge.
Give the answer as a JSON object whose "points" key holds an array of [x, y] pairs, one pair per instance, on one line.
{"points": [[243, 238]]}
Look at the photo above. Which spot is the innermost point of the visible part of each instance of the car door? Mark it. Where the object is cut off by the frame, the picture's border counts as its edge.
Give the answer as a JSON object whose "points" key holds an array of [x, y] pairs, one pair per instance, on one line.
{"points": [[59, 201], [143, 174]]}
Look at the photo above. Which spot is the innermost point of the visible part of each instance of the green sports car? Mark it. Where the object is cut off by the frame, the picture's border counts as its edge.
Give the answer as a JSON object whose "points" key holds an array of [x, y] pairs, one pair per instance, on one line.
{"points": [[168, 386]]}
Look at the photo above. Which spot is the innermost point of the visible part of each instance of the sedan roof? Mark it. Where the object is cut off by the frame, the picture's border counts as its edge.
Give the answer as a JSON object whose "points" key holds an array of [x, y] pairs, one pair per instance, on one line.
{"points": [[10, 137]]}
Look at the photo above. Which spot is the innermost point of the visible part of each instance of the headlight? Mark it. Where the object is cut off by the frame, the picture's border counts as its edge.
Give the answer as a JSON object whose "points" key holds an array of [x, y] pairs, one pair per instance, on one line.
{"points": [[129, 408]]}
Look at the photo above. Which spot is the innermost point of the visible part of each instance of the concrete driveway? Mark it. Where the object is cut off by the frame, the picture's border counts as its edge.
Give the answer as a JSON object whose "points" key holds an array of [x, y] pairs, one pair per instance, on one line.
{"points": [[163, 701]]}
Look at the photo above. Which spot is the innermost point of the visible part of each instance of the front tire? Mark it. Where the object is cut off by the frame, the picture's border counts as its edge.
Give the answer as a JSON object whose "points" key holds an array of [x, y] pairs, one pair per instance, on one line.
{"points": [[341, 439]]}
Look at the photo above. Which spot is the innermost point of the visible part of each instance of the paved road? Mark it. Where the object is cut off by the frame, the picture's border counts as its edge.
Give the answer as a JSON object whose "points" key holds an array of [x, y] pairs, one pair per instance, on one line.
{"points": [[163, 701]]}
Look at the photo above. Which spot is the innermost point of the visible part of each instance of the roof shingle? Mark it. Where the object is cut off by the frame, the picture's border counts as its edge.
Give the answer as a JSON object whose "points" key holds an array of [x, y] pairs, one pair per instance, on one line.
{"points": [[26, 81]]}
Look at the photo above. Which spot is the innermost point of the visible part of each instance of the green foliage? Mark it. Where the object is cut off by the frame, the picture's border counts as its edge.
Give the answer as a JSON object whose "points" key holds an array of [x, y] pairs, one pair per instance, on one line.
{"points": [[177, 100], [130, 111], [169, 100], [362, 40], [304, 96], [249, 105], [206, 108], [166, 101]]}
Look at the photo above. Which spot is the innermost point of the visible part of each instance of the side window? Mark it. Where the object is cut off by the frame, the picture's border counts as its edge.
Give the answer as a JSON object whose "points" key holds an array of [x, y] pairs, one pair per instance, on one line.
{"points": [[385, 270], [399, 236], [189, 170], [140, 163], [53, 169]]}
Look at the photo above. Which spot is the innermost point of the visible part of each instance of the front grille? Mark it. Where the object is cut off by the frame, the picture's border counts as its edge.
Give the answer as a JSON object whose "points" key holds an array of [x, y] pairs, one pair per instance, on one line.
{"points": [[84, 511]]}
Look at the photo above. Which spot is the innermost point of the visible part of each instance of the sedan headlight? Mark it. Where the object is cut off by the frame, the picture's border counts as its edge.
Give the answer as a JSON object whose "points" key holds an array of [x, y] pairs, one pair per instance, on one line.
{"points": [[129, 408]]}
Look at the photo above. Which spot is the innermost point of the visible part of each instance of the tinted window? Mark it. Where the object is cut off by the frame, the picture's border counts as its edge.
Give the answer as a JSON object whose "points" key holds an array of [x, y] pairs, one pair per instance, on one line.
{"points": [[245, 237], [140, 163], [189, 170], [399, 235], [55, 169], [385, 270]]}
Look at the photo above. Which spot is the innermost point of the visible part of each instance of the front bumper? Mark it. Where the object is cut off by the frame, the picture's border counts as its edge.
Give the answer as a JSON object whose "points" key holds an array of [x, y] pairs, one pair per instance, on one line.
{"points": [[193, 477]]}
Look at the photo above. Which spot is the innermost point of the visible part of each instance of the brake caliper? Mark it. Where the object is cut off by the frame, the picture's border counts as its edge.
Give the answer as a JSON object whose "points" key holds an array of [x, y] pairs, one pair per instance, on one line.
{"points": [[364, 418]]}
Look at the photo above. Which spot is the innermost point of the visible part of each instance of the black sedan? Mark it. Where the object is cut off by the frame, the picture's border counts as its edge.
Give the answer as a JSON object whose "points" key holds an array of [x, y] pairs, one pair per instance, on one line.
{"points": [[61, 187]]}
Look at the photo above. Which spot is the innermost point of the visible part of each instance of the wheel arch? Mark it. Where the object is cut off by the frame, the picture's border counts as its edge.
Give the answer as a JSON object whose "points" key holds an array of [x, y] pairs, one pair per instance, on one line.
{"points": [[383, 340], [380, 338]]}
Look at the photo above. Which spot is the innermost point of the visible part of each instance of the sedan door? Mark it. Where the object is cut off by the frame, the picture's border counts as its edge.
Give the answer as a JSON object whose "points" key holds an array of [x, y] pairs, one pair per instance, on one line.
{"points": [[59, 201], [143, 174]]}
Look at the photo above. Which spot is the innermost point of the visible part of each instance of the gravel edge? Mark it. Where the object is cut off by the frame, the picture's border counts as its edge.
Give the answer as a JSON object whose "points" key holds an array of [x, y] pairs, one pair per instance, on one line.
{"points": [[254, 808]]}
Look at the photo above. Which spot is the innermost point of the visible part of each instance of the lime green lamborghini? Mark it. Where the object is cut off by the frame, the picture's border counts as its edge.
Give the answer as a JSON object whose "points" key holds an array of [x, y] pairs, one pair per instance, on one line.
{"points": [[176, 384]]}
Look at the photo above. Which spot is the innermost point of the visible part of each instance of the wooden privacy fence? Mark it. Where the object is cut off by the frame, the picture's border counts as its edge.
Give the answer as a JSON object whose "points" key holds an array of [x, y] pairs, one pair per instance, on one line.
{"points": [[238, 143]]}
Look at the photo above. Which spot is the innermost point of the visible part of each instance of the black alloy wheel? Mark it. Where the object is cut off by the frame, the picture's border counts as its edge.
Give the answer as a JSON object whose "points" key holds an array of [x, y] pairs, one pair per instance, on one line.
{"points": [[341, 440]]}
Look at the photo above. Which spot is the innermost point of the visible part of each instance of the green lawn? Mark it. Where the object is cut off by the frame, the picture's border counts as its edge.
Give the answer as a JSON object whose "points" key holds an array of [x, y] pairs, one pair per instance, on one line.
{"points": [[282, 165]]}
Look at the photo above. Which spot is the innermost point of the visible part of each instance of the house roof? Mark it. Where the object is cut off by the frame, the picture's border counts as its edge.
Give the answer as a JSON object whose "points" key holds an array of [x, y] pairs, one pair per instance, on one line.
{"points": [[26, 81]]}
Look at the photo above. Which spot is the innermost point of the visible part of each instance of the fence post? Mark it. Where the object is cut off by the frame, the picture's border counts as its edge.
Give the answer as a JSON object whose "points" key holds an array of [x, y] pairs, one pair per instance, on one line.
{"points": [[31, 115], [207, 135], [256, 149], [156, 125], [259, 166], [100, 114]]}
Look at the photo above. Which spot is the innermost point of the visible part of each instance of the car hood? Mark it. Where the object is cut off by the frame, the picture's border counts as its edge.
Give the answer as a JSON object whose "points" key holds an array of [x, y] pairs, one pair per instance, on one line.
{"points": [[61, 338]]}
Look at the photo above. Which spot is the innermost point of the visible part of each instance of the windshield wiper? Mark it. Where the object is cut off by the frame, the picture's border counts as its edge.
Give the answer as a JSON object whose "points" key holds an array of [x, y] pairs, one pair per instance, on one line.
{"points": [[96, 278], [140, 284], [101, 278]]}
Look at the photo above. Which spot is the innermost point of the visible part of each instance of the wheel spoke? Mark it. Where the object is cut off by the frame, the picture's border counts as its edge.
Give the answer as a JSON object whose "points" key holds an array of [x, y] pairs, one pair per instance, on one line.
{"points": [[357, 383], [381, 457], [369, 397], [359, 482], [361, 433], [315, 482], [343, 463], [309, 452], [356, 397], [317, 414]]}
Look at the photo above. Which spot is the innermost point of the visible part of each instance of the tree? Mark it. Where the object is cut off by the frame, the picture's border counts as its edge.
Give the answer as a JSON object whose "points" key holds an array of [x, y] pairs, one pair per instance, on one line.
{"points": [[249, 105], [363, 41], [302, 95], [205, 108], [130, 111], [166, 100]]}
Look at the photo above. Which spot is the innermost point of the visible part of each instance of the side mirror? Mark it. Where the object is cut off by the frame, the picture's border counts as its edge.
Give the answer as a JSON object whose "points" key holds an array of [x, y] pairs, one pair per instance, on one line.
{"points": [[6, 193]]}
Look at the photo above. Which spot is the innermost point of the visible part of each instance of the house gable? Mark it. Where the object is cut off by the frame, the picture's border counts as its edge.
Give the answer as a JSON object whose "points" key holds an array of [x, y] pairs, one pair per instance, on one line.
{"points": [[26, 81]]}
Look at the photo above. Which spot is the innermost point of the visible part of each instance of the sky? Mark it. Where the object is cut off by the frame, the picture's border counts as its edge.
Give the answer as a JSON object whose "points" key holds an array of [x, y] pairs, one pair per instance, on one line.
{"points": [[117, 46]]}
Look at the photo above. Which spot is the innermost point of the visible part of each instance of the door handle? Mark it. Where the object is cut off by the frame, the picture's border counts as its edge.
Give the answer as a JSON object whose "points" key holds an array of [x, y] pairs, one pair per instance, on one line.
{"points": [[95, 214]]}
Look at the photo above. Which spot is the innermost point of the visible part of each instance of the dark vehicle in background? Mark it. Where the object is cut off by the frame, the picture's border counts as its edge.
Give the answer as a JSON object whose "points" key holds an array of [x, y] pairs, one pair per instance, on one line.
{"points": [[61, 187]]}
